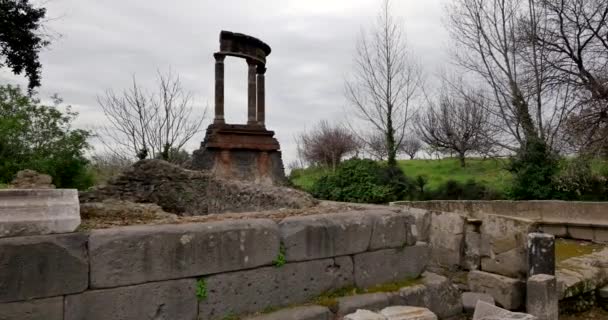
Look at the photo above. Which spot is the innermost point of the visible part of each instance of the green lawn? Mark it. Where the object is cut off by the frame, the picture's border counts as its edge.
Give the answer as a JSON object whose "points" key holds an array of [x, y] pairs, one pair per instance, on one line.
{"points": [[490, 172]]}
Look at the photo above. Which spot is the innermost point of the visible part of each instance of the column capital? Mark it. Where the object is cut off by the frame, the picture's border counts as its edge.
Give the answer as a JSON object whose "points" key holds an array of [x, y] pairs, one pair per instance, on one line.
{"points": [[261, 69], [219, 57]]}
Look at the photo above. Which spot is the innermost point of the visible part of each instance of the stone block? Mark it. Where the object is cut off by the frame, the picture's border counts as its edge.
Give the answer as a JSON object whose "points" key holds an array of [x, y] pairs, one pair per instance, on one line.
{"points": [[442, 297], [581, 233], [469, 300], [250, 291], [541, 297], [447, 239], [472, 251], [556, 230], [371, 301], [43, 266], [390, 265], [391, 229], [507, 292], [600, 235], [415, 295], [159, 300], [43, 309], [504, 245], [541, 254], [139, 254], [324, 236], [298, 313], [26, 212], [423, 222], [407, 313], [364, 315], [486, 311]]}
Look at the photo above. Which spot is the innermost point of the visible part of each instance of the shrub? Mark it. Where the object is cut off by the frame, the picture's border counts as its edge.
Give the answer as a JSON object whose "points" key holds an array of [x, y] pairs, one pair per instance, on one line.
{"points": [[39, 137], [471, 190], [533, 168], [577, 181], [363, 181]]}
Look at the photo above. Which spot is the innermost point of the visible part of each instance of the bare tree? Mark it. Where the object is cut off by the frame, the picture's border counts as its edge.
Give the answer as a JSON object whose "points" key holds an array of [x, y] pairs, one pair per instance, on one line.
{"points": [[576, 50], [411, 146], [153, 125], [457, 123], [385, 81], [327, 144], [491, 43], [375, 144]]}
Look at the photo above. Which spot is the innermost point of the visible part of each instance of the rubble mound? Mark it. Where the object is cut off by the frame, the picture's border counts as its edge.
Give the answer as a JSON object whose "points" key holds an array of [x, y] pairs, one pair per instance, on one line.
{"points": [[30, 179], [193, 193]]}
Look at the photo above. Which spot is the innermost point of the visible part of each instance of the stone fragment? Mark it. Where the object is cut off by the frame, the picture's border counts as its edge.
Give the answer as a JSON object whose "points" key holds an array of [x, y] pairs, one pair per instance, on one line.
{"points": [[507, 292], [447, 239], [407, 313], [391, 265], [30, 179], [43, 266], [371, 301], [541, 254], [42, 309], [139, 254], [298, 313], [38, 212], [327, 235], [541, 297], [486, 311], [469, 300], [391, 229], [159, 300], [270, 287], [415, 295], [364, 315], [504, 245]]}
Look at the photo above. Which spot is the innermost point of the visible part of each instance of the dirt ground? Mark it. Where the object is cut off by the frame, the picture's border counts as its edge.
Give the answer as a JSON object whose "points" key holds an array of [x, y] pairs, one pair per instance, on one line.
{"points": [[595, 314]]}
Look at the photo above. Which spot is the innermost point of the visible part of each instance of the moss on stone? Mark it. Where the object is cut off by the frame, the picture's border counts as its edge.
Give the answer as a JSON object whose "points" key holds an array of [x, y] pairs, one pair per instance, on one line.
{"points": [[566, 249]]}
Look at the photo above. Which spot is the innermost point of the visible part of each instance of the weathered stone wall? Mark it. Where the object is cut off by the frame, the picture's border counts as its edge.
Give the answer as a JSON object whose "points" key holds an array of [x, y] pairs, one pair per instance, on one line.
{"points": [[204, 270], [576, 220]]}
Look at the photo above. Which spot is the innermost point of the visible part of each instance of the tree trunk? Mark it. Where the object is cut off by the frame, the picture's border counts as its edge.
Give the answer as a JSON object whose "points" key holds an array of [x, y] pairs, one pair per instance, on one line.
{"points": [[390, 140], [462, 159]]}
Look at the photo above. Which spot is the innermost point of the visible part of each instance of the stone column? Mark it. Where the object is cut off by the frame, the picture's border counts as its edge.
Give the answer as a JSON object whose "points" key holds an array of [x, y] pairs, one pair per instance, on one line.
{"points": [[251, 92], [541, 297], [219, 89], [261, 113], [541, 254]]}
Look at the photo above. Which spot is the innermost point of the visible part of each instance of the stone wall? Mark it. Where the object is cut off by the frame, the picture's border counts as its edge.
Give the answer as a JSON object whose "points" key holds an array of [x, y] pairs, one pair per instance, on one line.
{"points": [[576, 220], [204, 270]]}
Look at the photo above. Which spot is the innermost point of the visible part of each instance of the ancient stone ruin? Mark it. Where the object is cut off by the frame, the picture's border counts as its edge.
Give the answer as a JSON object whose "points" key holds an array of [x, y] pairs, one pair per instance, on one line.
{"points": [[245, 152]]}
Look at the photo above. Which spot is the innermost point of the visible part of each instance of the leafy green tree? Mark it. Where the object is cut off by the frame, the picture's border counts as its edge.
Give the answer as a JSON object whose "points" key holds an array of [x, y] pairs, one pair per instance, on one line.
{"points": [[39, 137], [534, 168], [21, 38]]}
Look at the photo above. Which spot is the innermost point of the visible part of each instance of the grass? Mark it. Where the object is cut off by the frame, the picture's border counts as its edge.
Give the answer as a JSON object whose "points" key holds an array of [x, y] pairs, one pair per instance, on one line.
{"points": [[490, 172]]}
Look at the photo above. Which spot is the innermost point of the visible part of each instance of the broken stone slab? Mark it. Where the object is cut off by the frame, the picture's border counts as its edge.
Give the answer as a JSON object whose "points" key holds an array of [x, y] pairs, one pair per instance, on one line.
{"points": [[364, 315], [139, 254], [47, 309], [43, 266], [469, 300], [579, 275], [541, 254], [390, 265], [25, 212], [174, 299], [371, 301], [541, 297], [434, 292], [509, 293], [326, 235], [504, 245], [486, 311], [297, 313], [407, 313], [249, 291]]}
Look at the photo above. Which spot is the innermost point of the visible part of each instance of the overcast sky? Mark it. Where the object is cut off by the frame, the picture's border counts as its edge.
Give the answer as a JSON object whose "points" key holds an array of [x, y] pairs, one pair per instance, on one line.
{"points": [[102, 43]]}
